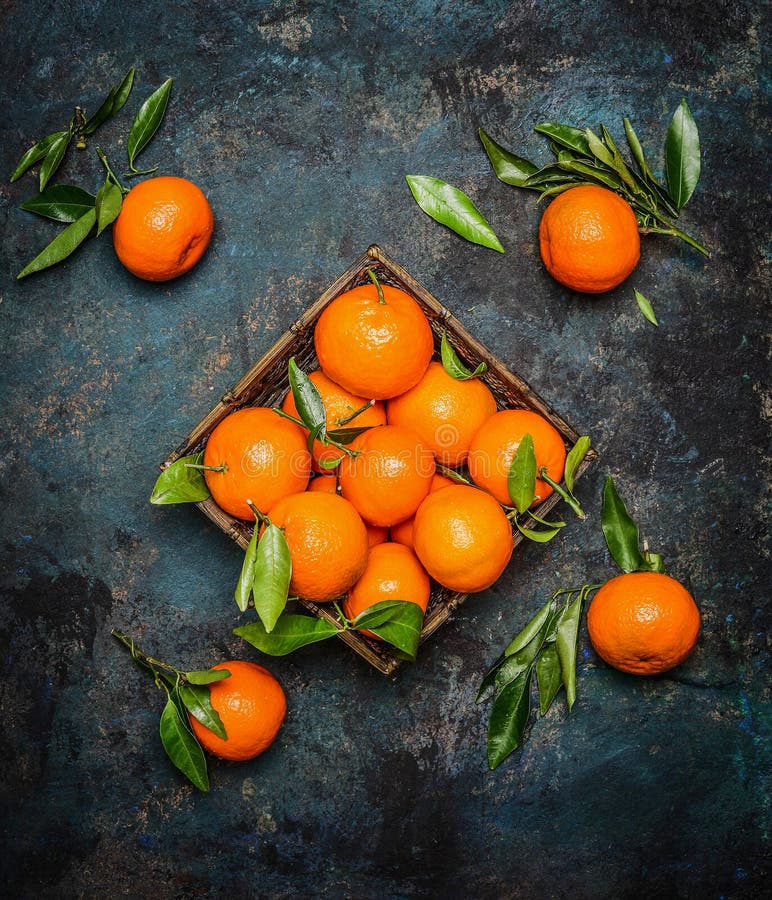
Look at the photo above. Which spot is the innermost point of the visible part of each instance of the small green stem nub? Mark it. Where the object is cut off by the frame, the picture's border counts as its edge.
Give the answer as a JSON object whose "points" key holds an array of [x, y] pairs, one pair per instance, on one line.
{"points": [[142, 658], [221, 468], [260, 517], [562, 492], [374, 279]]}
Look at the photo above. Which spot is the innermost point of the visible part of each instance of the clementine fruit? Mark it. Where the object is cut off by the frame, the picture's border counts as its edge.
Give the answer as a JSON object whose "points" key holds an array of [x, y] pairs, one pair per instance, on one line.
{"points": [[402, 532], [327, 541], [262, 458], [328, 484], [444, 411], [588, 238], [340, 404], [393, 572], [389, 476], [163, 228], [495, 444], [251, 705], [462, 538], [643, 622], [373, 348]]}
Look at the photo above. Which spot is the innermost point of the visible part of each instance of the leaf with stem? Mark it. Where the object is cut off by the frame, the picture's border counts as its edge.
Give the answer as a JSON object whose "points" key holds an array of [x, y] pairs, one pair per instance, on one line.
{"points": [[247, 577], [146, 124], [682, 155], [181, 746], [112, 104], [509, 168], [574, 459], [198, 703], [620, 530], [181, 482], [521, 479], [36, 153], [402, 628], [549, 677], [54, 157], [565, 644], [289, 633], [272, 575], [206, 676], [647, 310], [62, 245], [451, 207], [562, 493], [509, 718], [453, 365], [60, 202], [567, 136], [308, 400], [109, 200]]}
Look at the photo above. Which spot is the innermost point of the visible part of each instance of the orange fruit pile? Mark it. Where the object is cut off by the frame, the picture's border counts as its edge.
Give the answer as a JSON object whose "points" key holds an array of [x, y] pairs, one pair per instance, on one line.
{"points": [[164, 227]]}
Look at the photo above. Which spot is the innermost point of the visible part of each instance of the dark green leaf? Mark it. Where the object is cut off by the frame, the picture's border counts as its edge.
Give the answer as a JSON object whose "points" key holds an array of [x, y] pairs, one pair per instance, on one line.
{"points": [[598, 149], [347, 435], [574, 459], [247, 577], [54, 158], [618, 163], [180, 484], [548, 677], [111, 104], [198, 702], [289, 633], [36, 152], [453, 365], [62, 245], [450, 206], [652, 562], [637, 150], [509, 168], [531, 629], [60, 202], [521, 480], [403, 628], [547, 175], [645, 307], [559, 189], [108, 204], [566, 136], [181, 746], [206, 676], [272, 575], [682, 156], [593, 173], [377, 614], [147, 120], [565, 644], [508, 719], [308, 400], [620, 530]]}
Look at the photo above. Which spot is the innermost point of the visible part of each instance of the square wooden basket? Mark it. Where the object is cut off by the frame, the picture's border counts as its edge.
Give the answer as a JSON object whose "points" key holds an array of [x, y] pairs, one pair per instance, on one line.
{"points": [[266, 384]]}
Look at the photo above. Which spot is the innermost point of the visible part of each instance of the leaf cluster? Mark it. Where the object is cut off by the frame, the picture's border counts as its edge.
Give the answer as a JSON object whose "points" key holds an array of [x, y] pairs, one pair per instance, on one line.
{"points": [[186, 693], [85, 213]]}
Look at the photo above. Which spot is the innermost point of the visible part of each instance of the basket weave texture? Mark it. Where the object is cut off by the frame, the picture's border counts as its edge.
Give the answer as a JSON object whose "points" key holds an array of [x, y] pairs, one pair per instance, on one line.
{"points": [[266, 384]]}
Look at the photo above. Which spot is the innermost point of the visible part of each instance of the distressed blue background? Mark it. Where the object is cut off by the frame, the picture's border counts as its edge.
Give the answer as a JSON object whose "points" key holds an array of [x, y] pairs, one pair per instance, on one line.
{"points": [[299, 121]]}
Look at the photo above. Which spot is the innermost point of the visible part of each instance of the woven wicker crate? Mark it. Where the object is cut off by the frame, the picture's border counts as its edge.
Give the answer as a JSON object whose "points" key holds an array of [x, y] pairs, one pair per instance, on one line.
{"points": [[266, 384]]}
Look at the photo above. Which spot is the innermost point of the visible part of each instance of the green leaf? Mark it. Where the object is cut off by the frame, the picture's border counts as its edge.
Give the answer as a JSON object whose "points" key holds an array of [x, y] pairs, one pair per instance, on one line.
{"points": [[329, 464], [54, 158], [377, 614], [594, 174], [682, 156], [272, 575], [62, 245], [558, 524], [198, 702], [521, 480], [108, 204], [652, 562], [559, 189], [530, 631], [206, 676], [509, 168], [60, 202], [180, 484], [454, 366], [509, 718], [451, 207], [547, 175], [540, 537], [347, 435], [114, 101], [36, 152], [147, 121], [618, 163], [247, 577], [308, 400], [574, 459], [289, 633], [620, 531], [548, 677], [403, 628], [637, 150], [181, 746], [565, 645], [645, 307], [566, 136]]}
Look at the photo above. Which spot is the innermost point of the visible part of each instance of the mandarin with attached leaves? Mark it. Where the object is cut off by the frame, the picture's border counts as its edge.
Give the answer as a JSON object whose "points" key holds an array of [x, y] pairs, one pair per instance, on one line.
{"points": [[251, 705], [262, 458]]}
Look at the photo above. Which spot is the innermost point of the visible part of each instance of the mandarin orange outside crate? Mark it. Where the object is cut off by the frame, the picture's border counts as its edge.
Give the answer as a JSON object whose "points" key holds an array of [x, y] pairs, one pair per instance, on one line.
{"points": [[266, 384]]}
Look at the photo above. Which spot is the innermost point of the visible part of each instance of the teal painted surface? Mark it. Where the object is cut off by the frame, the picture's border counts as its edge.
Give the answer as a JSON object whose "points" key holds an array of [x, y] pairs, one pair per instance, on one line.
{"points": [[299, 121]]}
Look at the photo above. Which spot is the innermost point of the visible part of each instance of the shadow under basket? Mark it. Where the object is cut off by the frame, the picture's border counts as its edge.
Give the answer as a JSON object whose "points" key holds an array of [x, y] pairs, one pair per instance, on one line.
{"points": [[266, 384]]}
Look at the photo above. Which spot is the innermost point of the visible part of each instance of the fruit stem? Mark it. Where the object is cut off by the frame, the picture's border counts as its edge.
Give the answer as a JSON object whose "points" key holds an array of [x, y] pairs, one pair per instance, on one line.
{"points": [[78, 121], [566, 495], [147, 662], [374, 279], [260, 517], [341, 422], [284, 415], [452, 474], [221, 468], [110, 174], [671, 229]]}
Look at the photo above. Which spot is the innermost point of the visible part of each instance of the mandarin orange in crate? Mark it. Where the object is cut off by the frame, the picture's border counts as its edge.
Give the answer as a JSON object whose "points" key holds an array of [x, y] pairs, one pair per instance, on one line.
{"points": [[266, 385]]}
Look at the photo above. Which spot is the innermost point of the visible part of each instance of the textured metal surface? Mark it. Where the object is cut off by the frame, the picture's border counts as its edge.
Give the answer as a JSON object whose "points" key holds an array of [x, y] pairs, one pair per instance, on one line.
{"points": [[299, 121]]}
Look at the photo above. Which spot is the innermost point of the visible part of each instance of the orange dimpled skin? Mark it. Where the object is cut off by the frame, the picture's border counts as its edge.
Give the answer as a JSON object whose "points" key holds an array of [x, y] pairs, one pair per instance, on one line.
{"points": [[164, 227], [251, 705], [462, 538], [393, 572], [643, 623], [494, 446], [373, 348], [389, 476], [589, 240], [339, 404], [264, 458], [327, 541], [444, 411]]}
